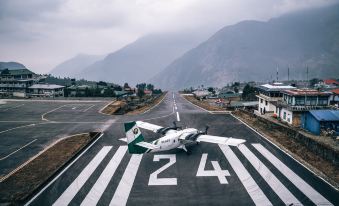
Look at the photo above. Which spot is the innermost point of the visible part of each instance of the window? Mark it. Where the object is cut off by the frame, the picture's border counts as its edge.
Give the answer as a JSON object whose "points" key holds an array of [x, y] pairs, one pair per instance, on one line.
{"points": [[261, 100], [299, 101], [284, 115], [323, 101], [266, 102]]}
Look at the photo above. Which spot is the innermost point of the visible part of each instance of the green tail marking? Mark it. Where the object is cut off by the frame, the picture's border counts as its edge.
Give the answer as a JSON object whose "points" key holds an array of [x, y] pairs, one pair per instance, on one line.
{"points": [[134, 136]]}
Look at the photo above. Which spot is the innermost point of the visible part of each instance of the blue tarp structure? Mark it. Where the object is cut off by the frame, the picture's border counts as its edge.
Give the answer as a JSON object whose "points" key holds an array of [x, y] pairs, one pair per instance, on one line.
{"points": [[317, 120]]}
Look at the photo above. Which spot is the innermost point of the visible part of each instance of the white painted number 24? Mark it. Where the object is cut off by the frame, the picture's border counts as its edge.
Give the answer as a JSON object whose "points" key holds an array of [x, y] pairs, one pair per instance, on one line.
{"points": [[217, 171]]}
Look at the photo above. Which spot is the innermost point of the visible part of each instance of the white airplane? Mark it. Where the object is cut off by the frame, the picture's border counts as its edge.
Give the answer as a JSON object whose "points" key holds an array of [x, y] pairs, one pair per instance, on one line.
{"points": [[173, 137]]}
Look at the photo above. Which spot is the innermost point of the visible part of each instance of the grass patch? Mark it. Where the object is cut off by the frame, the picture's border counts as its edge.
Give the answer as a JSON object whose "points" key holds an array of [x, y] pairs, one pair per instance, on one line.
{"points": [[29, 178]]}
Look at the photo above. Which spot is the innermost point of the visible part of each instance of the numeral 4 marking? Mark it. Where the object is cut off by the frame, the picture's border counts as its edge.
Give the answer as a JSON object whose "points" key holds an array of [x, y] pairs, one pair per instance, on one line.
{"points": [[154, 180], [218, 172]]}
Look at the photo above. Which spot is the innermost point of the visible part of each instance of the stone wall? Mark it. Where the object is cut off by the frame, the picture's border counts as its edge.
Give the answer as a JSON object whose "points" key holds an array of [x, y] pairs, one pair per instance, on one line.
{"points": [[316, 147]]}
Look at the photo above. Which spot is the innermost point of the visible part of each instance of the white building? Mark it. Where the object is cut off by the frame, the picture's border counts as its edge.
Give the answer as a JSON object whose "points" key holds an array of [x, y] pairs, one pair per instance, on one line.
{"points": [[268, 95], [46, 90]]}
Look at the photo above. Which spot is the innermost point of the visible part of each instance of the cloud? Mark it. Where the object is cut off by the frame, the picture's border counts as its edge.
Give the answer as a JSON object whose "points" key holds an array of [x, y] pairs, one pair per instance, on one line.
{"points": [[42, 33]]}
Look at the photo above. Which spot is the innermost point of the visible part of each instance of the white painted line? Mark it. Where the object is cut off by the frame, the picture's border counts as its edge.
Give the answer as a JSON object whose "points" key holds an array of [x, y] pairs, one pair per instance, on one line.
{"points": [[89, 108], [43, 115], [18, 149], [63, 171], [76, 185], [7, 130], [285, 195], [100, 185], [178, 117], [281, 149], [311, 193], [125, 185], [100, 111], [74, 108], [155, 105], [246, 179], [14, 107], [197, 106]]}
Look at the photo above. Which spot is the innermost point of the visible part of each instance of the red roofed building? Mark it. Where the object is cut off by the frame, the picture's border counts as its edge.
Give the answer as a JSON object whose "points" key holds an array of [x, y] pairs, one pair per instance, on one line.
{"points": [[332, 82]]}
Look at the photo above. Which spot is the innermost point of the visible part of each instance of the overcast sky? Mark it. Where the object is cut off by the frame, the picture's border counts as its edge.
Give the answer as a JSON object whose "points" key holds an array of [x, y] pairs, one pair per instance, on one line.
{"points": [[43, 33]]}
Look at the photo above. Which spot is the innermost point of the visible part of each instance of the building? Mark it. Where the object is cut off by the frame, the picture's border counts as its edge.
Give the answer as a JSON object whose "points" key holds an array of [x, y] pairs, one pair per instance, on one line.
{"points": [[331, 82], [268, 95], [17, 82], [295, 102], [334, 98], [46, 90], [321, 122]]}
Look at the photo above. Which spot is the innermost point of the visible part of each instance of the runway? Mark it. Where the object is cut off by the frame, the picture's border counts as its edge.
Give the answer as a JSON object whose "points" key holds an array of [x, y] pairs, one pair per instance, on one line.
{"points": [[255, 173]]}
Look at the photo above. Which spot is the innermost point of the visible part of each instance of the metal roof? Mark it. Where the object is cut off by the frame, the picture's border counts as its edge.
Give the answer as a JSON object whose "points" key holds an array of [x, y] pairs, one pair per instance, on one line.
{"points": [[17, 72], [46, 86], [305, 92], [325, 115], [275, 87]]}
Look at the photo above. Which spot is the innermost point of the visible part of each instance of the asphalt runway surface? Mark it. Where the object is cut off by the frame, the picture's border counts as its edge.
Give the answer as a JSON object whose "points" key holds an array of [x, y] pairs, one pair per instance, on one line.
{"points": [[255, 173]]}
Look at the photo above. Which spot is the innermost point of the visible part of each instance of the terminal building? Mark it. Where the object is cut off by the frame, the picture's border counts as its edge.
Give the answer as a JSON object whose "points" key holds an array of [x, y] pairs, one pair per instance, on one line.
{"points": [[25, 83]]}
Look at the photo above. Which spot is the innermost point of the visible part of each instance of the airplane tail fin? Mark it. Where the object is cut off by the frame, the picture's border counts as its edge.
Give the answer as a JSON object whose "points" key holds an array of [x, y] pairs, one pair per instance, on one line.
{"points": [[134, 136]]}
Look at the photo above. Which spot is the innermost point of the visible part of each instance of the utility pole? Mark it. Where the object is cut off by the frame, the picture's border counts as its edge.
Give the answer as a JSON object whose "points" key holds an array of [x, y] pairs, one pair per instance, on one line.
{"points": [[307, 75], [288, 74], [277, 73]]}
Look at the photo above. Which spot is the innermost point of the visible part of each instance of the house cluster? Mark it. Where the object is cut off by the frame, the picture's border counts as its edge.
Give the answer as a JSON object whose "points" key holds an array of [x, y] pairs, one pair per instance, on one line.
{"points": [[312, 109], [25, 83]]}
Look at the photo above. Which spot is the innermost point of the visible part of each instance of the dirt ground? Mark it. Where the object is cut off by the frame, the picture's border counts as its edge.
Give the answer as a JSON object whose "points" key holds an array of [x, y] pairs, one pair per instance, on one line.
{"points": [[204, 104], [148, 106], [319, 165], [16, 188], [113, 107]]}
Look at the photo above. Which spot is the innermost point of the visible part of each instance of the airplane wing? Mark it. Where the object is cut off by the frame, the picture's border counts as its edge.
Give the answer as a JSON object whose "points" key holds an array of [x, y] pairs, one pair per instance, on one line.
{"points": [[147, 145], [148, 126], [220, 140]]}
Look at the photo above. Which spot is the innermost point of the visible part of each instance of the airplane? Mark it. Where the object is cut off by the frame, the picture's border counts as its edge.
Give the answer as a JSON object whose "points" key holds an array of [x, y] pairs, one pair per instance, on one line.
{"points": [[173, 137]]}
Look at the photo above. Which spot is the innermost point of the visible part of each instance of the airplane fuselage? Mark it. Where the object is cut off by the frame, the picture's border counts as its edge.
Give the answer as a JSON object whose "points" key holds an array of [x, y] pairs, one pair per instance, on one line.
{"points": [[171, 140]]}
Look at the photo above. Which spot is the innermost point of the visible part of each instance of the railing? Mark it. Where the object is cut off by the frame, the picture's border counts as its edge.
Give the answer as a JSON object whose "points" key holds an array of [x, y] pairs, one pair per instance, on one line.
{"points": [[301, 107]]}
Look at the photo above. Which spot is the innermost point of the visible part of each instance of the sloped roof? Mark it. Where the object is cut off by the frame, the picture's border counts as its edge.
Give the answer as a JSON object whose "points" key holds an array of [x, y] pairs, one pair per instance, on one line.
{"points": [[305, 92], [331, 81], [335, 91], [325, 115], [275, 87], [46, 86], [18, 72]]}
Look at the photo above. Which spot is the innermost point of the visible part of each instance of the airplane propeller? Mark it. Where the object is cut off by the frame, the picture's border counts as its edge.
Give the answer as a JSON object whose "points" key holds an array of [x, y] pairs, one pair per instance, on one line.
{"points": [[206, 129]]}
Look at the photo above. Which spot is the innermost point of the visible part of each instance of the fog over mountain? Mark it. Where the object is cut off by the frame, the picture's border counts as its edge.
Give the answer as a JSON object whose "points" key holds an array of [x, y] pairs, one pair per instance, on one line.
{"points": [[142, 59], [252, 50], [74, 66]]}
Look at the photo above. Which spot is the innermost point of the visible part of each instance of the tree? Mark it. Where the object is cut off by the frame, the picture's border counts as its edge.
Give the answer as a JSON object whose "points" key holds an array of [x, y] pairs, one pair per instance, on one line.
{"points": [[211, 89], [141, 86], [314, 81], [141, 93], [248, 93], [126, 85], [150, 87]]}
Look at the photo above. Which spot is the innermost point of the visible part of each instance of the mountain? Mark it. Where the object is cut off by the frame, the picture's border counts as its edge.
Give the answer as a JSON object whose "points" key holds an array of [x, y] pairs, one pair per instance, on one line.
{"points": [[74, 66], [142, 59], [11, 65], [252, 50]]}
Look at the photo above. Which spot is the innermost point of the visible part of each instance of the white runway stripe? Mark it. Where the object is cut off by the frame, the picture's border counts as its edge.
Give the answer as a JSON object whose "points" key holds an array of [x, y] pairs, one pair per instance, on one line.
{"points": [[250, 185], [311, 193], [125, 185], [285, 195], [76, 185], [100, 185], [178, 117]]}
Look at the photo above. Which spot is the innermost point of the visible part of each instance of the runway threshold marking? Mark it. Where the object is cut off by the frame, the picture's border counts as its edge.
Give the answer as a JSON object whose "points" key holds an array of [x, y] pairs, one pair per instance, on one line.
{"points": [[284, 194], [125, 185], [311, 193], [3, 158], [256, 194], [76, 185], [100, 185]]}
